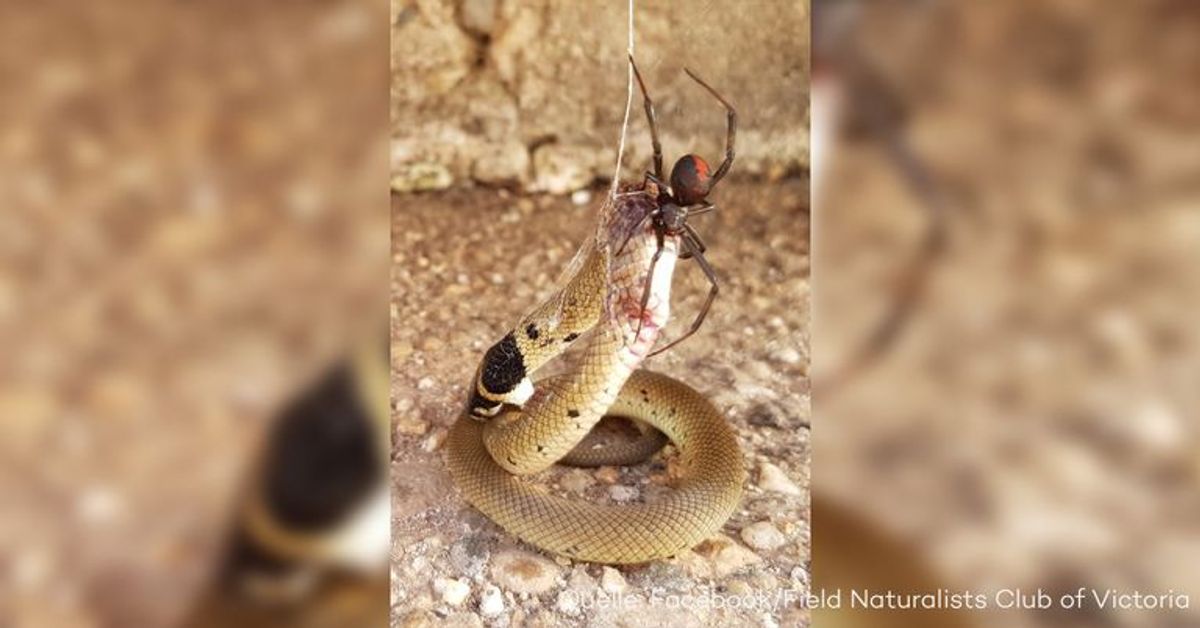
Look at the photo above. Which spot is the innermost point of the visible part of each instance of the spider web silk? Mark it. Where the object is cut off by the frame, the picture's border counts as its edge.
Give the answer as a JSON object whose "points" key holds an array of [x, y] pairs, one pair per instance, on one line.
{"points": [[616, 180]]}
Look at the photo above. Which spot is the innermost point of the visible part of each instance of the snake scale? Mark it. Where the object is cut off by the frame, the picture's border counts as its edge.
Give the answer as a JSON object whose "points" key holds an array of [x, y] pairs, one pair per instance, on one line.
{"points": [[512, 428]]}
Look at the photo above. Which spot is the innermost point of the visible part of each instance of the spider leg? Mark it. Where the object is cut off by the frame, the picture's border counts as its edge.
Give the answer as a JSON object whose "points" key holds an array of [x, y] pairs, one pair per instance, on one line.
{"points": [[649, 105], [730, 129], [662, 187], [649, 282], [702, 209], [689, 243], [701, 247]]}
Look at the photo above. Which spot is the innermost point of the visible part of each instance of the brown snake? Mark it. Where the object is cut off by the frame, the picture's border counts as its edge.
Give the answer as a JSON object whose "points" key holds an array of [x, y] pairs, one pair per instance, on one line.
{"points": [[512, 428]]}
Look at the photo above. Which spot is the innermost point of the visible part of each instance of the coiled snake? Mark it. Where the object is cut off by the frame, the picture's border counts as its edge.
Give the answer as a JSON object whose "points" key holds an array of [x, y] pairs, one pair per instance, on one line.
{"points": [[512, 428]]}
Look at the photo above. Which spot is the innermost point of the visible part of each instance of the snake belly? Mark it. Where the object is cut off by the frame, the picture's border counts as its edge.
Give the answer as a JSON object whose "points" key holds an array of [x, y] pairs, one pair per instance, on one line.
{"points": [[513, 428]]}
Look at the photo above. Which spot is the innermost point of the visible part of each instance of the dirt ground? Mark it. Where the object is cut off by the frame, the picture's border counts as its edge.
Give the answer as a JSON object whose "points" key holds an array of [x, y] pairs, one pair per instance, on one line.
{"points": [[468, 263]]}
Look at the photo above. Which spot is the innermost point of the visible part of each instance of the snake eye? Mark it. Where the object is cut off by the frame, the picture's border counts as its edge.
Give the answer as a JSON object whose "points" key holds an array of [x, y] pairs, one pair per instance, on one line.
{"points": [[690, 179]]}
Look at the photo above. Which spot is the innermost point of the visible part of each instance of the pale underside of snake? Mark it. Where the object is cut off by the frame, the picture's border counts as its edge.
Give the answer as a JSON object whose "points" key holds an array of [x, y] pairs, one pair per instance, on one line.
{"points": [[513, 428]]}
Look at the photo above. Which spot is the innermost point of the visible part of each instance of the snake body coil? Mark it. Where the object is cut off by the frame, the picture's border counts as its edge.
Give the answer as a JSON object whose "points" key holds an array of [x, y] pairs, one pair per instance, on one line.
{"points": [[512, 428]]}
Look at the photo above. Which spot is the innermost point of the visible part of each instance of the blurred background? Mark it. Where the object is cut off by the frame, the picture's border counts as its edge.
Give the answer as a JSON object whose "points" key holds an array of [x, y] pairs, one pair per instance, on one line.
{"points": [[193, 229], [506, 117], [1007, 245]]}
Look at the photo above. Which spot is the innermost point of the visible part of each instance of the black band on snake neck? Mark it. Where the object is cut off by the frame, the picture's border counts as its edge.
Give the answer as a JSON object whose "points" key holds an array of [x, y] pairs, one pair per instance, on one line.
{"points": [[503, 367]]}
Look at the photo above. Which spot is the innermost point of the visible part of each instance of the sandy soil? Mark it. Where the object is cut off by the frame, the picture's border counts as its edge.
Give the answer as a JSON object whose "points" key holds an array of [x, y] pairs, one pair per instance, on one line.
{"points": [[466, 264]]}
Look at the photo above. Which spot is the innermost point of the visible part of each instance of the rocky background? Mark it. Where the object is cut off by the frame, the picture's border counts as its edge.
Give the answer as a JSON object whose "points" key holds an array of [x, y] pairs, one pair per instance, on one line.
{"points": [[531, 94]]}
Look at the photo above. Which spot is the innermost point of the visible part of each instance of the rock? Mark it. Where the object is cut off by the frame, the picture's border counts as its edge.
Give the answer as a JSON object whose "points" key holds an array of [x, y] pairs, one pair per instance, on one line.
{"points": [[608, 475], [623, 494], [411, 426], [580, 198], [611, 580], [560, 169], [763, 536], [421, 177], [491, 603], [469, 555], [763, 416], [452, 591], [772, 478], [502, 164], [435, 440], [786, 355], [693, 564], [478, 16], [576, 481], [523, 572], [568, 603], [726, 556]]}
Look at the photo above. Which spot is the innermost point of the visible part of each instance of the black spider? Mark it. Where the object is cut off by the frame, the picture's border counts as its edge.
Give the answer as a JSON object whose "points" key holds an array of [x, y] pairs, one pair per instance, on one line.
{"points": [[687, 195]]}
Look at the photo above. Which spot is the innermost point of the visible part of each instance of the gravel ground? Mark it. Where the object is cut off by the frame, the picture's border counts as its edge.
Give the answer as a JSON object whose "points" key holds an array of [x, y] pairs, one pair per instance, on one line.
{"points": [[468, 263]]}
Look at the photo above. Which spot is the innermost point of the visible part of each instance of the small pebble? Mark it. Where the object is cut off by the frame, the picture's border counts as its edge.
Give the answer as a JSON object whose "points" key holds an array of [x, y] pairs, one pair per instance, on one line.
{"points": [[524, 572], [567, 603], [434, 440], [491, 603], [425, 383], [763, 536], [693, 564], [453, 592], [726, 555], [623, 493], [608, 475], [576, 481], [611, 580], [772, 478], [581, 197], [787, 355], [410, 426]]}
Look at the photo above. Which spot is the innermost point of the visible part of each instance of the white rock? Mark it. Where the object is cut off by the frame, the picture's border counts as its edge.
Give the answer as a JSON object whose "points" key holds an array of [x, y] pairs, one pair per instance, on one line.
{"points": [[453, 591], [611, 580], [567, 603], [581, 197], [763, 536], [787, 355], [623, 493], [772, 478], [491, 603]]}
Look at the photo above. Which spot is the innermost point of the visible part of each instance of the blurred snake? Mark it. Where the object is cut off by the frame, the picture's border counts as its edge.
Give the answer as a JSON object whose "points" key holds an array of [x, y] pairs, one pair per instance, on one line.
{"points": [[512, 428]]}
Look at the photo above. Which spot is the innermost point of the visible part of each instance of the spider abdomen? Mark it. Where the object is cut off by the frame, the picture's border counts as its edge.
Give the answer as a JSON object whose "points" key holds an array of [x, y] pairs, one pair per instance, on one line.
{"points": [[690, 179]]}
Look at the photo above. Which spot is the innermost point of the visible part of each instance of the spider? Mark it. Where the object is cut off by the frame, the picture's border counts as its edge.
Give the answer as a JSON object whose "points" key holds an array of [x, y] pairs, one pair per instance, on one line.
{"points": [[687, 195]]}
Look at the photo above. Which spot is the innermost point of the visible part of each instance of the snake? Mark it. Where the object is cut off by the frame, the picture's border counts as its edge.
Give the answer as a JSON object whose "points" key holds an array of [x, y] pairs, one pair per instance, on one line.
{"points": [[513, 427]]}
